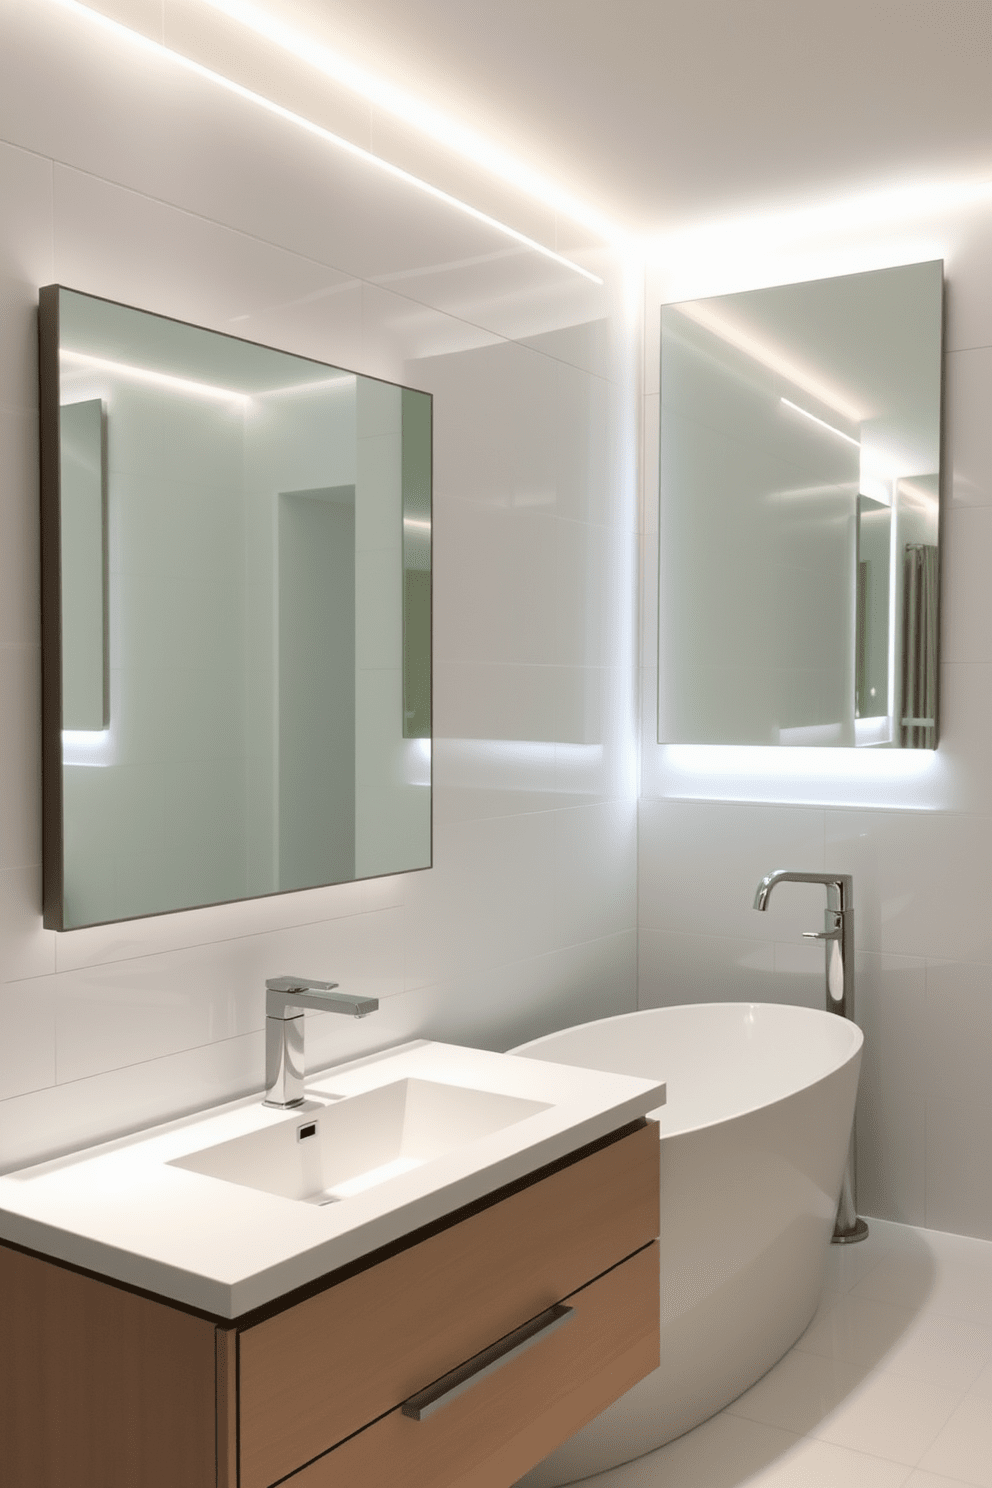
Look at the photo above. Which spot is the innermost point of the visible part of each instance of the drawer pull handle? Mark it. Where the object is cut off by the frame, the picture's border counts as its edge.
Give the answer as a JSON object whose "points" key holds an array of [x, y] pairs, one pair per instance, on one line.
{"points": [[453, 1384]]}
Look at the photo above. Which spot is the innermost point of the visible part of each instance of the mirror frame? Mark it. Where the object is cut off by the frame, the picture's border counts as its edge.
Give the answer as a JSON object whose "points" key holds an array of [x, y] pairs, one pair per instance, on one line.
{"points": [[52, 788]]}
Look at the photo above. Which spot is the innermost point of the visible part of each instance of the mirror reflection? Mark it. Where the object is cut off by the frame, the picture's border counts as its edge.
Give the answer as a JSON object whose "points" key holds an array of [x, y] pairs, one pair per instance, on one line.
{"points": [[799, 515], [237, 565]]}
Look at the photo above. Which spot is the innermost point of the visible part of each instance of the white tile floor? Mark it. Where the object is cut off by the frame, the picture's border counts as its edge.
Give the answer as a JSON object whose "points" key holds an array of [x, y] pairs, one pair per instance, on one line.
{"points": [[889, 1387]]}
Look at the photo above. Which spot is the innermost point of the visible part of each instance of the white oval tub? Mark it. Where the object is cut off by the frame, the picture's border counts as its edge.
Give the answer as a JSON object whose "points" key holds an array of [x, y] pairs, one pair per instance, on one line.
{"points": [[754, 1139]]}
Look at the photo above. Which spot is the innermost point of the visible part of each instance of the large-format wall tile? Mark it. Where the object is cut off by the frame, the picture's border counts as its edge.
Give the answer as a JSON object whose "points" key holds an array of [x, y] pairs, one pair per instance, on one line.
{"points": [[131, 1011], [111, 1016], [20, 598], [62, 1118], [968, 247], [800, 972], [27, 1038], [102, 944], [700, 864], [585, 414], [966, 630], [402, 337], [595, 872], [654, 298], [965, 727], [177, 263], [25, 263], [587, 345], [493, 601], [650, 453], [958, 1029], [590, 980], [958, 1179], [488, 899], [503, 286], [20, 751], [967, 435], [674, 968], [499, 1007], [26, 948], [922, 880], [502, 459], [479, 778], [890, 1007], [588, 574], [649, 644], [597, 757], [512, 738], [498, 701]]}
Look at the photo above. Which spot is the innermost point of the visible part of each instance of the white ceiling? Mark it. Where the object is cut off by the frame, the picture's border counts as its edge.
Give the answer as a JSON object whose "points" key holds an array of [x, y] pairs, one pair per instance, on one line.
{"points": [[668, 112]]}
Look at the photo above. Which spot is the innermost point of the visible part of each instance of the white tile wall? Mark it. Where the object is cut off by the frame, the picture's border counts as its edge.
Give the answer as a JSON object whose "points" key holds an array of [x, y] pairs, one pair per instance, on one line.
{"points": [[206, 208], [124, 175], [915, 834]]}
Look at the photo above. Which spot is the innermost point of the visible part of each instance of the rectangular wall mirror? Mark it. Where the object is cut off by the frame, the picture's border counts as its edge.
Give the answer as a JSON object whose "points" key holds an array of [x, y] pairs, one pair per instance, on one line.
{"points": [[236, 625], [799, 516]]}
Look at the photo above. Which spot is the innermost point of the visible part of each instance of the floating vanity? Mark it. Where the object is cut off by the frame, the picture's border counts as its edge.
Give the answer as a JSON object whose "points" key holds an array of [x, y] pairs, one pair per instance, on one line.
{"points": [[433, 1272]]}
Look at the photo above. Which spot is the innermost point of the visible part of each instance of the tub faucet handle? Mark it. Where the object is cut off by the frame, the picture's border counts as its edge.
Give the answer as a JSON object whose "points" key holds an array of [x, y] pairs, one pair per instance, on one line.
{"points": [[833, 927]]}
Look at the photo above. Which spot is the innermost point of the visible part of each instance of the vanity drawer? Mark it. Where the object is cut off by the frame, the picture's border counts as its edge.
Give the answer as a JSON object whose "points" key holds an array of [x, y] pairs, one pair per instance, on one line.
{"points": [[501, 1426], [321, 1370]]}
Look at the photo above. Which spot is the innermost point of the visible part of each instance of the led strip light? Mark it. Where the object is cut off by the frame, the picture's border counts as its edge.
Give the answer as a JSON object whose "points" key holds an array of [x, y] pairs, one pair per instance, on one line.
{"points": [[337, 140]]}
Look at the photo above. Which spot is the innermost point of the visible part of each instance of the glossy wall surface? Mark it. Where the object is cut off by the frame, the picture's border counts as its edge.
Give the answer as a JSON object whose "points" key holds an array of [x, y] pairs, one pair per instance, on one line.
{"points": [[126, 176], [912, 827]]}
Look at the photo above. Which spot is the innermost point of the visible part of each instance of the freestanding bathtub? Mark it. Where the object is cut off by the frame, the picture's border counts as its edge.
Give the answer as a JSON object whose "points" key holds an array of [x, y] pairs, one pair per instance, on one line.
{"points": [[753, 1144]]}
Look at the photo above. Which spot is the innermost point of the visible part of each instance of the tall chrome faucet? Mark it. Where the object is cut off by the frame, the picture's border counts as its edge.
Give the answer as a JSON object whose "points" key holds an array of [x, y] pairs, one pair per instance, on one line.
{"points": [[838, 938], [837, 933], [286, 998]]}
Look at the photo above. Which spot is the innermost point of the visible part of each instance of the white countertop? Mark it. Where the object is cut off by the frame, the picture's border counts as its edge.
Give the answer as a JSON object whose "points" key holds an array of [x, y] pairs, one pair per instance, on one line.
{"points": [[122, 1211]]}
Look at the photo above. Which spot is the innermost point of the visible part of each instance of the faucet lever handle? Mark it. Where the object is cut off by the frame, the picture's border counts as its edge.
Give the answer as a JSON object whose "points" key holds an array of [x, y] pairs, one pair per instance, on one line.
{"points": [[832, 927], [297, 984]]}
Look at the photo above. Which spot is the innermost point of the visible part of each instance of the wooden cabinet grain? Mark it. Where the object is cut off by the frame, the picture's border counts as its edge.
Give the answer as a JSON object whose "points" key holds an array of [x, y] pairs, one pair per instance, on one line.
{"points": [[104, 1387]]}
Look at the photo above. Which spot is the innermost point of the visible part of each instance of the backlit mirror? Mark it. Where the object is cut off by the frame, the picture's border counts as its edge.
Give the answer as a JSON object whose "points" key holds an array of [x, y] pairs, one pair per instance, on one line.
{"points": [[799, 513], [236, 617]]}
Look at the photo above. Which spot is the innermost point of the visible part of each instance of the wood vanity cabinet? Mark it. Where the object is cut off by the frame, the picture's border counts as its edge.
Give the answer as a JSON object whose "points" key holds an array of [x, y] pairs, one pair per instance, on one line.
{"points": [[103, 1386]]}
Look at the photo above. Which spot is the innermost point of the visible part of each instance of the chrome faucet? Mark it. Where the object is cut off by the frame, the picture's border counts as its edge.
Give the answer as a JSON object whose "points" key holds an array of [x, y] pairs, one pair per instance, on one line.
{"points": [[286, 998], [837, 933], [838, 938]]}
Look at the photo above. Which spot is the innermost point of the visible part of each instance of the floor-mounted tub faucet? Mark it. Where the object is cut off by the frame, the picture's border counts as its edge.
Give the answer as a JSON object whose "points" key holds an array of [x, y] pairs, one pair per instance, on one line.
{"points": [[837, 932], [838, 938], [285, 1000]]}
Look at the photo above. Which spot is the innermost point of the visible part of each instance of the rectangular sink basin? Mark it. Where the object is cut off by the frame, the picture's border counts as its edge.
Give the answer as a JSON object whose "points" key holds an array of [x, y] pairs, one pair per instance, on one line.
{"points": [[227, 1210], [323, 1153]]}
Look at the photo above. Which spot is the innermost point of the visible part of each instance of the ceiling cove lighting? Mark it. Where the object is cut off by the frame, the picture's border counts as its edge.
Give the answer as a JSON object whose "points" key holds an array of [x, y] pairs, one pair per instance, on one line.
{"points": [[116, 28], [829, 219], [447, 131], [822, 422]]}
